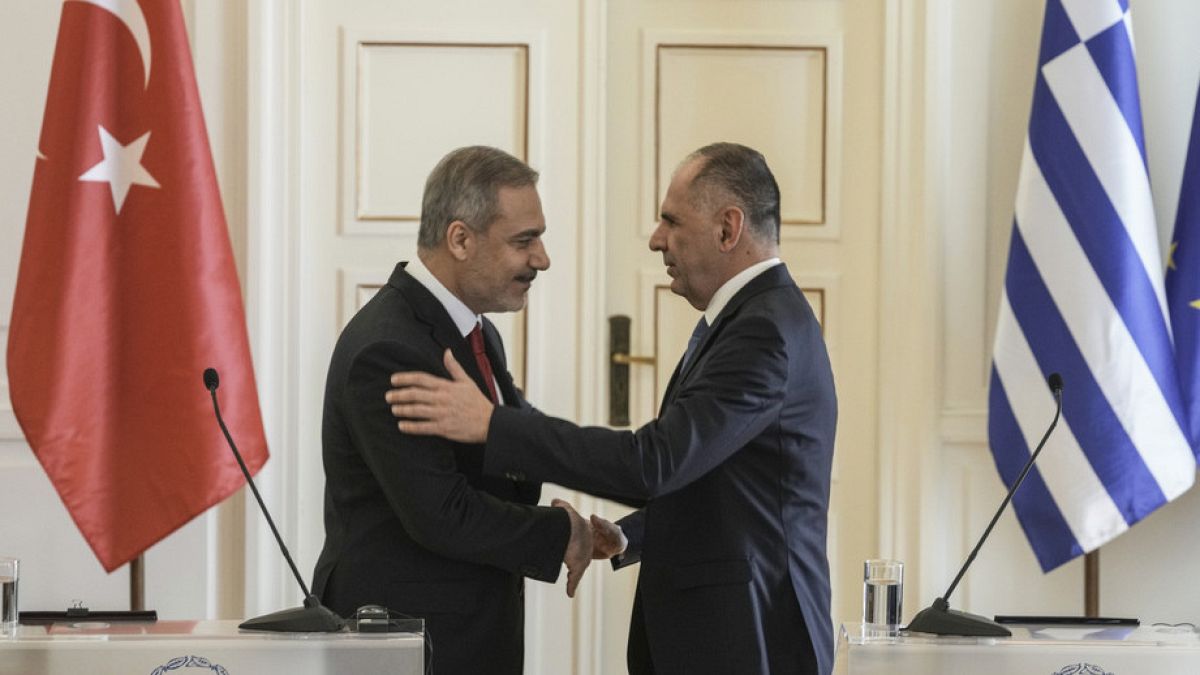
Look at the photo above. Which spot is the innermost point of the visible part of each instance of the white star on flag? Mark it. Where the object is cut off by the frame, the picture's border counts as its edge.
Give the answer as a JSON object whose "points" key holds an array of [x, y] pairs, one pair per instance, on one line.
{"points": [[121, 166]]}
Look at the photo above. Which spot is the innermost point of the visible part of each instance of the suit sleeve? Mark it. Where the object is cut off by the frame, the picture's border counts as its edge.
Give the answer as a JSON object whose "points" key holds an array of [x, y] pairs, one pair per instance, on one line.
{"points": [[739, 392], [529, 492], [431, 497], [633, 526]]}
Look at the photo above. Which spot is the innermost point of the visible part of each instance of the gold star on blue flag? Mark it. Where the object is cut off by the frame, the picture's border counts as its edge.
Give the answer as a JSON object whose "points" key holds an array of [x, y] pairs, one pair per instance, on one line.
{"points": [[1183, 282]]}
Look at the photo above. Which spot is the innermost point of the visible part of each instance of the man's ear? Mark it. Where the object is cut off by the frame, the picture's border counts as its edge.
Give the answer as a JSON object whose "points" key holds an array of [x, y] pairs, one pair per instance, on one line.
{"points": [[459, 240], [733, 225]]}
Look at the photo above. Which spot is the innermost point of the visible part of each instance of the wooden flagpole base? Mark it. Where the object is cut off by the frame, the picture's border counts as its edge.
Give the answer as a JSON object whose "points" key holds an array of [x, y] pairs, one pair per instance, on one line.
{"points": [[137, 584], [1091, 584]]}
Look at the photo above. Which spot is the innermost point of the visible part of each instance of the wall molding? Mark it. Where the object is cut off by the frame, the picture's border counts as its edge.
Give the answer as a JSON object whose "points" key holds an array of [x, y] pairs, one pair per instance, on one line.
{"points": [[10, 430], [272, 286], [909, 321], [591, 392], [967, 426], [654, 41], [357, 218]]}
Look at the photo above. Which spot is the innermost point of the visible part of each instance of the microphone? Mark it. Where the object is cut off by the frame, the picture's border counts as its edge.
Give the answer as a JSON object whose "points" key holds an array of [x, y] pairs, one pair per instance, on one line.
{"points": [[938, 618], [313, 617]]}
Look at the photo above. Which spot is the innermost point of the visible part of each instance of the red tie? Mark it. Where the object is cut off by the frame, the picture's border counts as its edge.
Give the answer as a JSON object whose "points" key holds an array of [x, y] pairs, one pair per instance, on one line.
{"points": [[481, 358]]}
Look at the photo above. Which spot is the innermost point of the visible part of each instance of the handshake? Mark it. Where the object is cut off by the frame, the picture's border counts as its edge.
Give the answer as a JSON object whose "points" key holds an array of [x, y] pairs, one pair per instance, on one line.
{"points": [[598, 539]]}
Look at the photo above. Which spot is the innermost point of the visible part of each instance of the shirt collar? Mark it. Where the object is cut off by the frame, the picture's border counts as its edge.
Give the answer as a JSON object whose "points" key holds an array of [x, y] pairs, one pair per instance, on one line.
{"points": [[730, 288], [464, 319]]}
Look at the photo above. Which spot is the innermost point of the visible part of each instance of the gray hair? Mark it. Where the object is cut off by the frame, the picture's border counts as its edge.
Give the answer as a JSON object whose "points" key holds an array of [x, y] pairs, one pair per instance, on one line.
{"points": [[465, 186], [738, 173]]}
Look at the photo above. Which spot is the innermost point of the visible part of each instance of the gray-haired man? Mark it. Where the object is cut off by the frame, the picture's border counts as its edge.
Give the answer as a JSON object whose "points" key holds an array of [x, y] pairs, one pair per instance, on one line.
{"points": [[411, 522]]}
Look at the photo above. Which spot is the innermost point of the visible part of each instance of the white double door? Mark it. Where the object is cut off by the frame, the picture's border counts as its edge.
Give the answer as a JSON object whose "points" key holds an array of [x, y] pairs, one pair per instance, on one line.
{"points": [[603, 98]]}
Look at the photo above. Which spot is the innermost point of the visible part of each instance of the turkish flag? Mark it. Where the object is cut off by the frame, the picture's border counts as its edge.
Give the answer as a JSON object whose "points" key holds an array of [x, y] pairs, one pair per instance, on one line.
{"points": [[127, 289]]}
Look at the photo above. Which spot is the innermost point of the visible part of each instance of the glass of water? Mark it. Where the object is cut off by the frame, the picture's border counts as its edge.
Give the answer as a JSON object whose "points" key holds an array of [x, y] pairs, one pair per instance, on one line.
{"points": [[10, 573], [883, 596]]}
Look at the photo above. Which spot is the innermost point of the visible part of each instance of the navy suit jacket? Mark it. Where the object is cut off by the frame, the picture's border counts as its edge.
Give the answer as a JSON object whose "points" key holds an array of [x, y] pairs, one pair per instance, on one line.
{"points": [[411, 522], [735, 475]]}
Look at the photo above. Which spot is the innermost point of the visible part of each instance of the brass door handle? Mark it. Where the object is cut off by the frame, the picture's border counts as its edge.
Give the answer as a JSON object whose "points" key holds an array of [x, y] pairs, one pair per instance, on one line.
{"points": [[626, 359], [619, 360]]}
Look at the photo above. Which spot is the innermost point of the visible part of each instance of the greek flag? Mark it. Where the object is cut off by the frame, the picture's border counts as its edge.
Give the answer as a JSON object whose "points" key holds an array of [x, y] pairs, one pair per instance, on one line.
{"points": [[1183, 280], [1083, 296]]}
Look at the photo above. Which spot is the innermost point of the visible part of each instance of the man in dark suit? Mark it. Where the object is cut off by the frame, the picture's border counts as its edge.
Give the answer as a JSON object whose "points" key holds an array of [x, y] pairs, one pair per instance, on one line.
{"points": [[735, 471], [412, 523]]}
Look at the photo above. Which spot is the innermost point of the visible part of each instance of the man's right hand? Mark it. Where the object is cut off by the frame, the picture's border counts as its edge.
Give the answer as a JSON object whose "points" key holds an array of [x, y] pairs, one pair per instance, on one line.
{"points": [[608, 540], [428, 405], [579, 547]]}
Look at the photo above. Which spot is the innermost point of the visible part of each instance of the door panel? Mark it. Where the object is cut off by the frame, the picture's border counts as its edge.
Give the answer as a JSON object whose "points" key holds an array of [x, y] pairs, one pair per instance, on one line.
{"points": [[772, 76], [387, 89]]}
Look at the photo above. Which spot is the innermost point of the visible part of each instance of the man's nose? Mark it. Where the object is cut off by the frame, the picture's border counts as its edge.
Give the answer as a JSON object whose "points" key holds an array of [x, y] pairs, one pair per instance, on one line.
{"points": [[539, 260], [658, 238]]}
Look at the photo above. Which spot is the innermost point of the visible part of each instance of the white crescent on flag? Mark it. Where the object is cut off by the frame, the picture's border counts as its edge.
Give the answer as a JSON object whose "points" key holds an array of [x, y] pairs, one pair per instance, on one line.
{"points": [[131, 15]]}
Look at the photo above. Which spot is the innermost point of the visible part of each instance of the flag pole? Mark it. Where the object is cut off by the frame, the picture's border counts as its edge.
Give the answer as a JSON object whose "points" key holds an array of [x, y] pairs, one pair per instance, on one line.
{"points": [[1091, 584], [137, 584]]}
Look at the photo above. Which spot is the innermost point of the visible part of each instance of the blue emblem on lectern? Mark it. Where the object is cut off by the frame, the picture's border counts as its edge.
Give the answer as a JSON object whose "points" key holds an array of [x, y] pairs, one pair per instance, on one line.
{"points": [[189, 662], [1082, 669]]}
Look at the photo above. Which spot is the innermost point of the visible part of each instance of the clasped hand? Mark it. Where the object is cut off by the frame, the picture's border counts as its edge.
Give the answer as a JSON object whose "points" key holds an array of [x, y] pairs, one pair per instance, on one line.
{"points": [[598, 539]]}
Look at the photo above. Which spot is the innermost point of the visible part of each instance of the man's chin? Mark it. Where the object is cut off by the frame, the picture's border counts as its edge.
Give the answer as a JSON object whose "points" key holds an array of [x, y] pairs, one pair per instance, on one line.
{"points": [[678, 289], [512, 304]]}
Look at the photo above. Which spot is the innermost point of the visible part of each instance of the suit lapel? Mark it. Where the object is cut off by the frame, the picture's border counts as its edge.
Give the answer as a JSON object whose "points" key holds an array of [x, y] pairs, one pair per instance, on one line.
{"points": [[770, 278], [441, 327], [678, 377], [669, 394], [443, 331]]}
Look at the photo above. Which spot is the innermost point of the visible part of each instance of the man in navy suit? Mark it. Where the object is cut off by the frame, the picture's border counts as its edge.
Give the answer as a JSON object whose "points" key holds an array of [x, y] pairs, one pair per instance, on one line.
{"points": [[412, 523], [735, 471]]}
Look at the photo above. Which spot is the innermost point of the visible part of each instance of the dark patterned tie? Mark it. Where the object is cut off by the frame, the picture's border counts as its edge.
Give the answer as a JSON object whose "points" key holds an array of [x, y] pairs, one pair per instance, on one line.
{"points": [[694, 341], [475, 337]]}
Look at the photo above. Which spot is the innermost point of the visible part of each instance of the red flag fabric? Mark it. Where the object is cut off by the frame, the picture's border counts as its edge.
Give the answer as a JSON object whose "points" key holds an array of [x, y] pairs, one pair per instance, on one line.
{"points": [[127, 289]]}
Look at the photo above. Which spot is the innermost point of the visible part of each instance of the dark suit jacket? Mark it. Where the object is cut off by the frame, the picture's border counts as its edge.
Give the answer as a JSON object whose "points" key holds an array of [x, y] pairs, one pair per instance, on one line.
{"points": [[736, 473], [412, 523]]}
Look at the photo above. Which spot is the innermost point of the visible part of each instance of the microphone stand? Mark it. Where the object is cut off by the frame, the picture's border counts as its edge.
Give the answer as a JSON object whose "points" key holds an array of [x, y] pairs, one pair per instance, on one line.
{"points": [[938, 618], [313, 617]]}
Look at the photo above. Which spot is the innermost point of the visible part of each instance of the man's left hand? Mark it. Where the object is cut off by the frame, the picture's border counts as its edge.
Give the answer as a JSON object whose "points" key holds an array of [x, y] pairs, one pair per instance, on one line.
{"points": [[428, 405]]}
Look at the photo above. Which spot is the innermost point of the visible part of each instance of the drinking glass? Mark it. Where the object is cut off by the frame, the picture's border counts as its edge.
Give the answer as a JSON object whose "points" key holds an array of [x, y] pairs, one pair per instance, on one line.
{"points": [[10, 573], [883, 596]]}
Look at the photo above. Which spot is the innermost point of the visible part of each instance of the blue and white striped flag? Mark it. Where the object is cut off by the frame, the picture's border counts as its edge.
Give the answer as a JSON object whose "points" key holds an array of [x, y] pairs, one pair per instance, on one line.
{"points": [[1183, 280], [1083, 296]]}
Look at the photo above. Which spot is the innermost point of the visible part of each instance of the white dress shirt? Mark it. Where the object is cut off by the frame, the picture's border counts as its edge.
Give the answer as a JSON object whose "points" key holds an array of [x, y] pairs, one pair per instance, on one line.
{"points": [[735, 284]]}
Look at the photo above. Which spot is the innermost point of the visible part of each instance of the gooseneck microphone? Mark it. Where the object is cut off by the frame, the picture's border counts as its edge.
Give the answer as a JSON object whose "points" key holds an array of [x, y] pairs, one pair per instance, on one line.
{"points": [[938, 618], [313, 617]]}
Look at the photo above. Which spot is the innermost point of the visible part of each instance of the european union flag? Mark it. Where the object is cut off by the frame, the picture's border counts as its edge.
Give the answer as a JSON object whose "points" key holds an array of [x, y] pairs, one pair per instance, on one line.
{"points": [[1183, 281]]}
